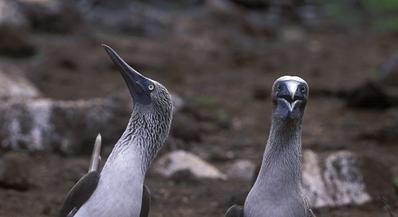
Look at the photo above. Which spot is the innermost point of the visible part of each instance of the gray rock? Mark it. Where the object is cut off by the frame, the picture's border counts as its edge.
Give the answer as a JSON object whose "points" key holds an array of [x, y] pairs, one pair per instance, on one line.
{"points": [[10, 14], [292, 34], [179, 160], [14, 172], [241, 169], [335, 180], [65, 126], [14, 85]]}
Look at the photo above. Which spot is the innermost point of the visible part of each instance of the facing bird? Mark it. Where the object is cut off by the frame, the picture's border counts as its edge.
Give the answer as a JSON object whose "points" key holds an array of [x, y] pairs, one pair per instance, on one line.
{"points": [[120, 190], [277, 189]]}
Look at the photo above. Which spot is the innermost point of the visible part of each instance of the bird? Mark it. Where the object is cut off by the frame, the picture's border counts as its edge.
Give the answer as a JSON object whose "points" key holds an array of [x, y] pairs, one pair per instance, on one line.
{"points": [[119, 189], [277, 190]]}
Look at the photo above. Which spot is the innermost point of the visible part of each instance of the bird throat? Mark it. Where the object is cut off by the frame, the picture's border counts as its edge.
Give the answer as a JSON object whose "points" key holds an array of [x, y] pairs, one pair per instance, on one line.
{"points": [[280, 172]]}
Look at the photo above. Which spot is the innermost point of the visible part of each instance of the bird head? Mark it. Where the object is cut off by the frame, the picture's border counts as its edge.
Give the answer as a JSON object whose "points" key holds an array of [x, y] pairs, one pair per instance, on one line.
{"points": [[151, 100], [289, 95]]}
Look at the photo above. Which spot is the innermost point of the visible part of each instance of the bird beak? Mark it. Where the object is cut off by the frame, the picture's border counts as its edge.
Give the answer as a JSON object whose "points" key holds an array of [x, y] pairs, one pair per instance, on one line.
{"points": [[137, 83], [291, 96], [292, 87]]}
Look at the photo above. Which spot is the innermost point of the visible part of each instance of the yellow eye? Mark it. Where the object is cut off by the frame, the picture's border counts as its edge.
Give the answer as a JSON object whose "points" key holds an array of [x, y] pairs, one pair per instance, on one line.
{"points": [[151, 87]]}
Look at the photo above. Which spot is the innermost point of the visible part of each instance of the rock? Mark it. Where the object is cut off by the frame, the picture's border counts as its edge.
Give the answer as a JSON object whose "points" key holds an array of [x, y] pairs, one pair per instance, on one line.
{"points": [[54, 16], [14, 85], [292, 34], [65, 126], [335, 180], [179, 160], [14, 172], [14, 39], [10, 14], [241, 169]]}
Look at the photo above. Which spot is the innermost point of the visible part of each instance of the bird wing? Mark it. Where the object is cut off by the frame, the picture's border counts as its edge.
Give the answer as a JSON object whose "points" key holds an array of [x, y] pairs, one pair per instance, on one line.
{"points": [[79, 194], [146, 202], [234, 211]]}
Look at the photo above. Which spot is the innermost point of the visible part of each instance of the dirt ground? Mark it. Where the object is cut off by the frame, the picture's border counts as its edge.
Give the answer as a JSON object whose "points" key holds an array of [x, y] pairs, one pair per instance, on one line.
{"points": [[235, 79]]}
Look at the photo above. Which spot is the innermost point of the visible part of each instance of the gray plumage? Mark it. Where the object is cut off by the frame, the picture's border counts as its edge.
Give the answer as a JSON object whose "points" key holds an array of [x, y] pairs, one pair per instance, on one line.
{"points": [[277, 189], [120, 191]]}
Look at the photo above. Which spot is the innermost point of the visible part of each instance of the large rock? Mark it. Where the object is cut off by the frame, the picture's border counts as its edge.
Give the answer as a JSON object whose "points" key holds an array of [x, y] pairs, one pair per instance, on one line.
{"points": [[14, 85], [338, 179], [182, 161], [241, 169], [65, 126]]}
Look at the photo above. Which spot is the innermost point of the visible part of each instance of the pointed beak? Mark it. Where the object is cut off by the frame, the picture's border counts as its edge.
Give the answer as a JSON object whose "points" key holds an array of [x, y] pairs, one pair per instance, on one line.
{"points": [[291, 95], [137, 83]]}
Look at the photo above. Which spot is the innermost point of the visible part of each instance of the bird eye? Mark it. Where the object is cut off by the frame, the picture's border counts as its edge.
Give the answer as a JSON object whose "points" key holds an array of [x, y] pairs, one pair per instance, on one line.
{"points": [[151, 87], [279, 87], [303, 89]]}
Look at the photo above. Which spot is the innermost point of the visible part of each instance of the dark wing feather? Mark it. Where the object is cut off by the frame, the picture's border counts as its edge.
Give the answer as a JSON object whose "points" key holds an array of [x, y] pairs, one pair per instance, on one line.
{"points": [[146, 202], [79, 194], [234, 211]]}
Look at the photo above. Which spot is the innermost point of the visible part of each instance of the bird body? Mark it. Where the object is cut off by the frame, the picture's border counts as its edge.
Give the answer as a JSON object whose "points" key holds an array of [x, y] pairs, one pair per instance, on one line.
{"points": [[277, 189], [120, 190]]}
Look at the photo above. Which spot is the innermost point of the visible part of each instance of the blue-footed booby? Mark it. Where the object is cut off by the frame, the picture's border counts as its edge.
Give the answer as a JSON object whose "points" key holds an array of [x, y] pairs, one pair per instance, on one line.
{"points": [[119, 190], [277, 190]]}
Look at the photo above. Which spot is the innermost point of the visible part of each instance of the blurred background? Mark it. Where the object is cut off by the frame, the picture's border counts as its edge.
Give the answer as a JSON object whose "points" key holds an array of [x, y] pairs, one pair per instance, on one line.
{"points": [[219, 58]]}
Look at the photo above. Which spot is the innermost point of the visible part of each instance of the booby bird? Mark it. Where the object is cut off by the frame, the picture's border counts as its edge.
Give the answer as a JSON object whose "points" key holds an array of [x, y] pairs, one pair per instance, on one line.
{"points": [[120, 191], [277, 189]]}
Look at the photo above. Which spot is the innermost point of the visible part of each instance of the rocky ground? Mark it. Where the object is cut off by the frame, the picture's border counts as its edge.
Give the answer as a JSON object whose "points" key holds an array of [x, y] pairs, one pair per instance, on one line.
{"points": [[58, 89]]}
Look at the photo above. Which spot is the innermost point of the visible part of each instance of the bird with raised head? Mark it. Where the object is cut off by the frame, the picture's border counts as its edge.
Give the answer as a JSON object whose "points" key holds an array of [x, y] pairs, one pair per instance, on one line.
{"points": [[119, 190], [277, 191]]}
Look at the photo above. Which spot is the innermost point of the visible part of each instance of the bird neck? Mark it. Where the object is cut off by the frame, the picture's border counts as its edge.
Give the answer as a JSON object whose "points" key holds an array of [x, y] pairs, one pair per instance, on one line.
{"points": [[281, 165], [139, 143]]}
